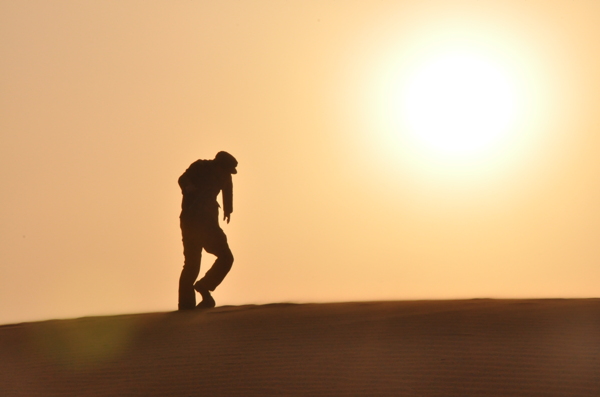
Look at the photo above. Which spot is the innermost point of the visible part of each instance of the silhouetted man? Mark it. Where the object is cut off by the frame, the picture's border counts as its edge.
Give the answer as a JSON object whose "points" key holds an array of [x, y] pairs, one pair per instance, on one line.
{"points": [[199, 220]]}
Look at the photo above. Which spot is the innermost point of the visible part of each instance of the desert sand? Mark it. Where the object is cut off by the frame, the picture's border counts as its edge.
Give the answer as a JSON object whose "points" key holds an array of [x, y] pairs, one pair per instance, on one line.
{"points": [[548, 347]]}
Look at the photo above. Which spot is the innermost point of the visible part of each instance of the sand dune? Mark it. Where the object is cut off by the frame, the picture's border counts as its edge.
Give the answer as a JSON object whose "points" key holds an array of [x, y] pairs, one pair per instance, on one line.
{"points": [[412, 348]]}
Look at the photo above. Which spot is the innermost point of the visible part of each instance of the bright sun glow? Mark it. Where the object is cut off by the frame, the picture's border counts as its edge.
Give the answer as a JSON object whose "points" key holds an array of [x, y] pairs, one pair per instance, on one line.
{"points": [[455, 112], [458, 105], [454, 105]]}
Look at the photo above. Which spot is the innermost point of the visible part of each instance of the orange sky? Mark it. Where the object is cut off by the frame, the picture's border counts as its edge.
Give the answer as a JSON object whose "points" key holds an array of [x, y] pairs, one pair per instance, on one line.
{"points": [[105, 104]]}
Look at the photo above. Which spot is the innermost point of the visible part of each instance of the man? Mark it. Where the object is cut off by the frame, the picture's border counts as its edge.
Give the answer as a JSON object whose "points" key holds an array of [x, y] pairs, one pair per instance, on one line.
{"points": [[200, 185]]}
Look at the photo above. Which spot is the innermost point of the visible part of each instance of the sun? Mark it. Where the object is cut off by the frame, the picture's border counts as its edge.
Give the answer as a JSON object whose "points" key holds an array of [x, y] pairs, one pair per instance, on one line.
{"points": [[450, 105], [458, 105]]}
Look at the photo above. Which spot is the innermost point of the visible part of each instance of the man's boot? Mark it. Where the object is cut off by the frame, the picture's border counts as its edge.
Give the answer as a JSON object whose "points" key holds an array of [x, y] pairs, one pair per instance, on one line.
{"points": [[207, 300]]}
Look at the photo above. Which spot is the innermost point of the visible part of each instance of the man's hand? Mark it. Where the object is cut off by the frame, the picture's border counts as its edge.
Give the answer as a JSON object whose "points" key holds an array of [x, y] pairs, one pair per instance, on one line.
{"points": [[226, 217]]}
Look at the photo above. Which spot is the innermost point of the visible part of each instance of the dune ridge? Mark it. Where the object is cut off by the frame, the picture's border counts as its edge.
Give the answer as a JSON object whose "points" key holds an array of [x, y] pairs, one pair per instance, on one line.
{"points": [[545, 347]]}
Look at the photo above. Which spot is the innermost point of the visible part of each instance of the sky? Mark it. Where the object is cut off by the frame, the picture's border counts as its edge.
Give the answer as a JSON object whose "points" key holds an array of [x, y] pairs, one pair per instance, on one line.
{"points": [[387, 150]]}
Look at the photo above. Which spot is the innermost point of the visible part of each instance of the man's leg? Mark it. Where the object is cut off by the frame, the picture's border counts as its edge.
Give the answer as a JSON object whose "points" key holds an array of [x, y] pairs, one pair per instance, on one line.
{"points": [[215, 244], [192, 252]]}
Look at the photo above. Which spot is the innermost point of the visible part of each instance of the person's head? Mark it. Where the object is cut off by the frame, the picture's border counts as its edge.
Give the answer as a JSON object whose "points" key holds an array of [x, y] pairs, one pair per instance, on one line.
{"points": [[227, 162]]}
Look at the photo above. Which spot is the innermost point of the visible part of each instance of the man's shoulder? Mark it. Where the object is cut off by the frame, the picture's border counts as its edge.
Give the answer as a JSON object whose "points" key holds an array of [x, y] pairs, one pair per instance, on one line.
{"points": [[201, 161], [200, 165]]}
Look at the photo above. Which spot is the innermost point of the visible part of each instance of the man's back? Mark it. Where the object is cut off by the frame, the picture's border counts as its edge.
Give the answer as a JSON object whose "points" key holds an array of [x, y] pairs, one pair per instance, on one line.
{"points": [[201, 184]]}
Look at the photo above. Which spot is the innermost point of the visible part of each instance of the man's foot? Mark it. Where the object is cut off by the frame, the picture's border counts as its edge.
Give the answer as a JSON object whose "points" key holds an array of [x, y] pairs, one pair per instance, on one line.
{"points": [[207, 300], [206, 303]]}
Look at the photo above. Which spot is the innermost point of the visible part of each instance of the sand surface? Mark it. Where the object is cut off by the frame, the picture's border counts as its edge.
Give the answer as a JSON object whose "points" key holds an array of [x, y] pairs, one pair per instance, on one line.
{"points": [[410, 348]]}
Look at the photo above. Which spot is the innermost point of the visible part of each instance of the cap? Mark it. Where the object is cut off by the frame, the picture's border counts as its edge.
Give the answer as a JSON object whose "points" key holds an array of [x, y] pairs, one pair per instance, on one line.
{"points": [[227, 161]]}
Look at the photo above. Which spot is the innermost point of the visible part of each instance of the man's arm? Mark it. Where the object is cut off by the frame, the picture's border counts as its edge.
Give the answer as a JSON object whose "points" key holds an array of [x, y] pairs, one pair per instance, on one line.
{"points": [[186, 184], [227, 198], [186, 181]]}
